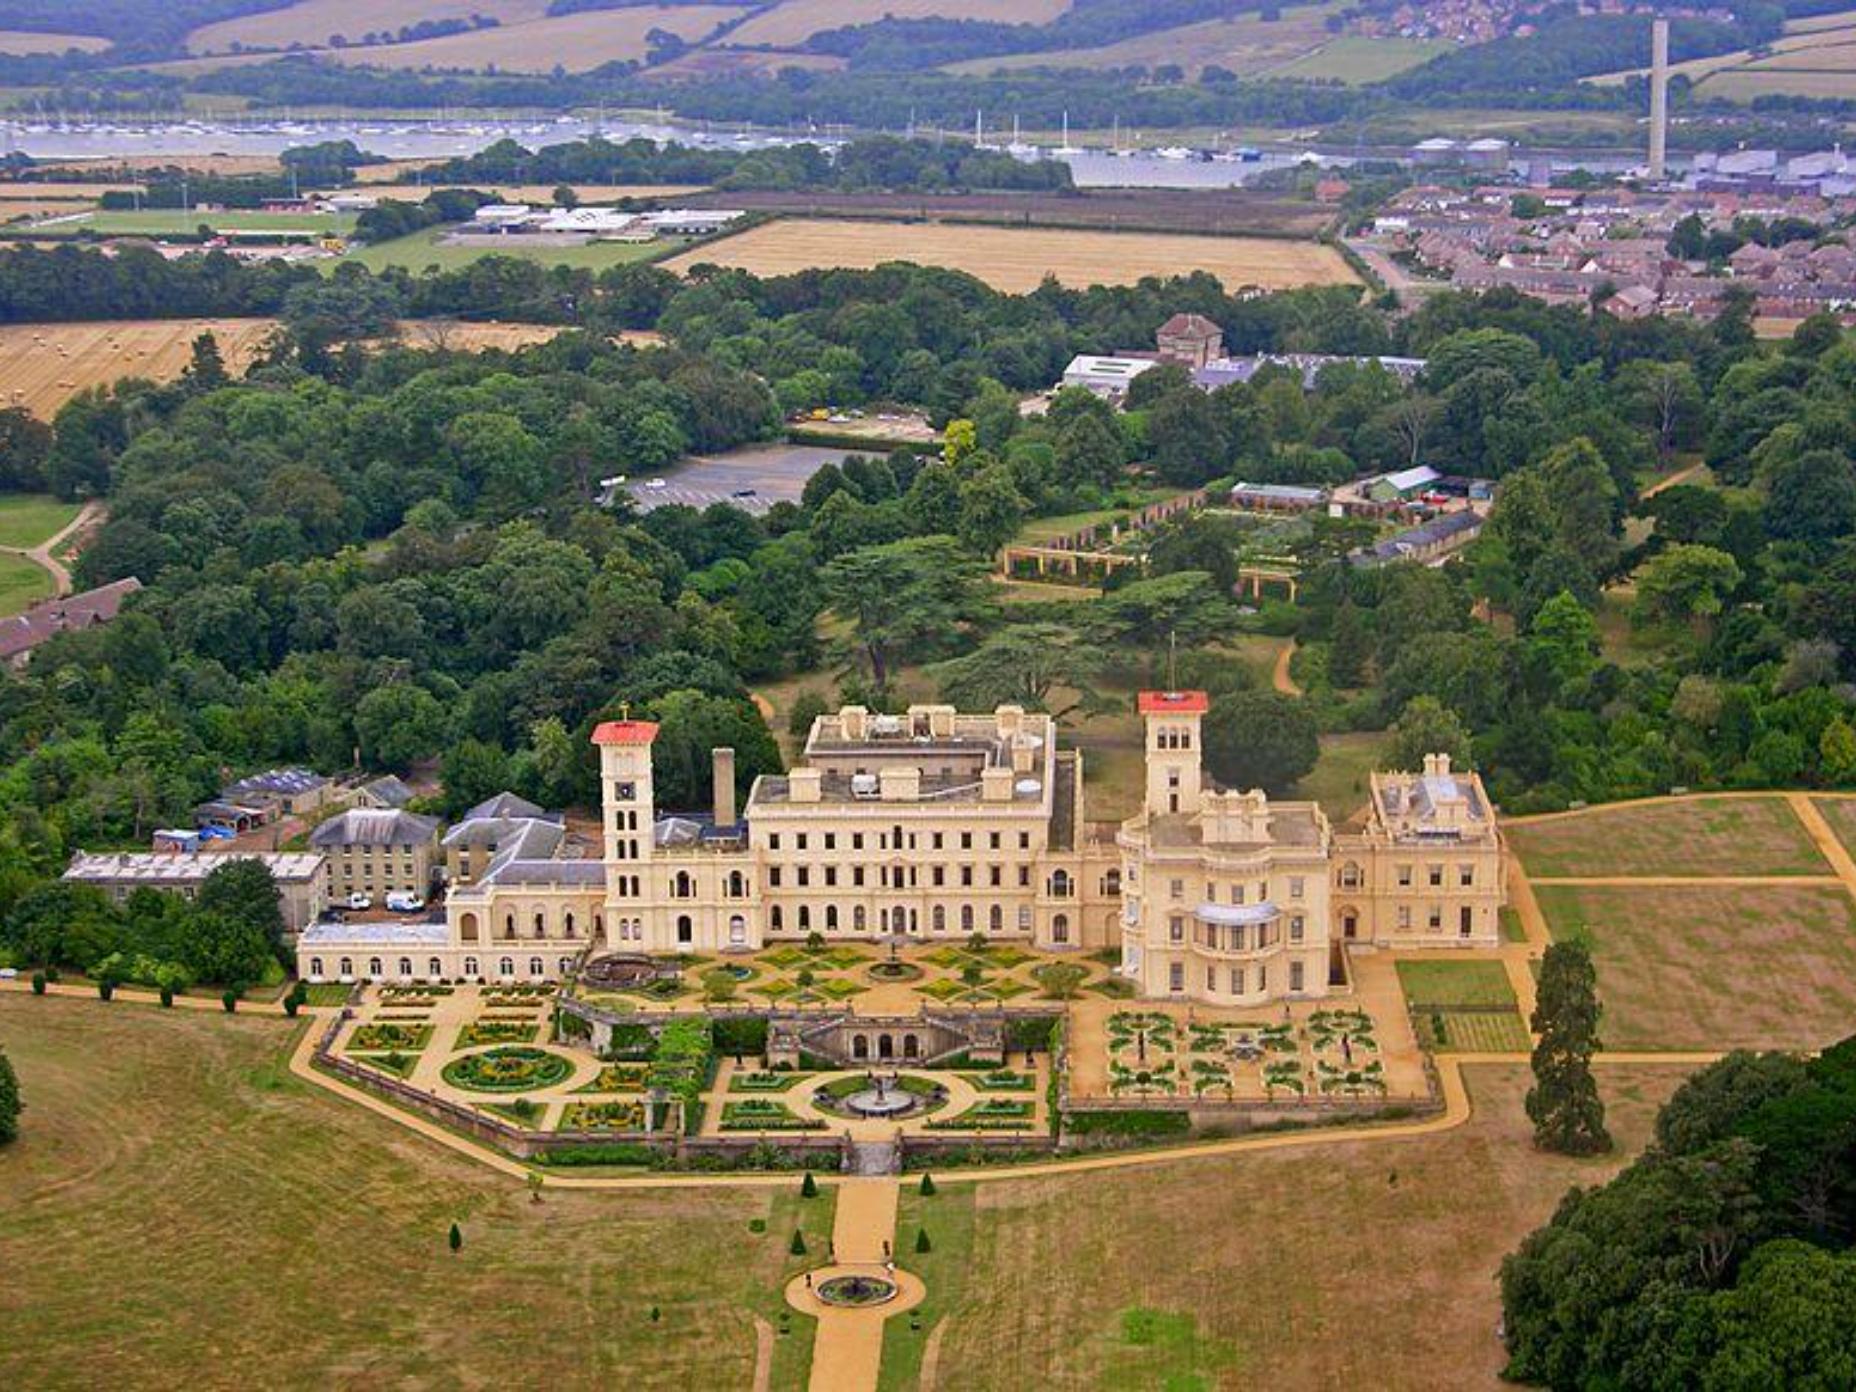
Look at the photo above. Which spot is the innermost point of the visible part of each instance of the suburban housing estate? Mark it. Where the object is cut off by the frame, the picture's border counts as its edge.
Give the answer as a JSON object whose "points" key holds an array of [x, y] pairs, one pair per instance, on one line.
{"points": [[935, 825]]}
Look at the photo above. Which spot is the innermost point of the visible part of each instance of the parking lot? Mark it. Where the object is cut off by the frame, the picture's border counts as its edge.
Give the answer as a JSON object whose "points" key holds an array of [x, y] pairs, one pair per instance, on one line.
{"points": [[752, 479]]}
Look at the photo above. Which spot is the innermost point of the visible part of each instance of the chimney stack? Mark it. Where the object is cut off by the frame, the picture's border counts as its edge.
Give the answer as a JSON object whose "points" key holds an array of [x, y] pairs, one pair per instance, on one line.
{"points": [[724, 759], [1659, 96]]}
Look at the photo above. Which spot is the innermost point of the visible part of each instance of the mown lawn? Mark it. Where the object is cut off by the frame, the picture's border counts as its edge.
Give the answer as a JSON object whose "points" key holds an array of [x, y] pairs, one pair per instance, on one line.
{"points": [[180, 1211], [21, 584], [27, 519], [1431, 984]]}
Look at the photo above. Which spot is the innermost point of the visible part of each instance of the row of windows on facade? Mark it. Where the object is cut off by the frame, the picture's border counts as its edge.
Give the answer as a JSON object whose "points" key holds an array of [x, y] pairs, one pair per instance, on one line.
{"points": [[1352, 877], [435, 968], [685, 885], [1171, 738], [1176, 978], [467, 926], [1298, 888], [1236, 937], [897, 839]]}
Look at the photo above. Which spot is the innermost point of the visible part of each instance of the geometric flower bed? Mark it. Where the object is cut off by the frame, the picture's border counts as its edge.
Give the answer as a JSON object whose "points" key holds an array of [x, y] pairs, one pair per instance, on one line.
{"points": [[1005, 1080], [765, 1082], [617, 1077], [495, 1032], [991, 1114], [384, 1037], [765, 1114], [507, 1070], [603, 1116]]}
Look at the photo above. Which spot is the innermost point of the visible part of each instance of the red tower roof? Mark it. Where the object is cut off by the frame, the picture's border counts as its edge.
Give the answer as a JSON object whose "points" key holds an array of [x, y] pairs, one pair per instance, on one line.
{"points": [[625, 732], [1174, 703]]}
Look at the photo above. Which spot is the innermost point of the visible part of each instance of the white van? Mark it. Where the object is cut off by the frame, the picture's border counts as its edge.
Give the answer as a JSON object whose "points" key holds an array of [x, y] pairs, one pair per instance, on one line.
{"points": [[405, 901]]}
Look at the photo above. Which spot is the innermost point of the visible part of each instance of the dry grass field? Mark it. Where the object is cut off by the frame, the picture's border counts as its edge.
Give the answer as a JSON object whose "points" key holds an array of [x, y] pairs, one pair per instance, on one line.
{"points": [[577, 42], [795, 21], [1698, 836], [1815, 58], [1840, 812], [1717, 967], [301, 1240], [43, 365], [1381, 1274], [17, 41], [1017, 261], [309, 23], [1244, 44], [536, 193], [34, 373]]}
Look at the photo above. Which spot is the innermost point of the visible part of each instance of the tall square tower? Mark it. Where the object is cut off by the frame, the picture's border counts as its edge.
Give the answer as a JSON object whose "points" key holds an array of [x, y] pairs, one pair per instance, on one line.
{"points": [[1173, 720]]}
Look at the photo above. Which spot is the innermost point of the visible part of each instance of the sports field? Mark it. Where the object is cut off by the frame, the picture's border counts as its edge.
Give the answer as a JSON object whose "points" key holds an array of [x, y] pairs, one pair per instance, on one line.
{"points": [[1017, 261], [429, 248]]}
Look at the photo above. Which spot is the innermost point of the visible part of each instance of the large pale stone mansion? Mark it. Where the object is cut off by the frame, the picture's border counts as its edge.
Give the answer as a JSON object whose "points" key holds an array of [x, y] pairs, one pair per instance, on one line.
{"points": [[934, 825]]}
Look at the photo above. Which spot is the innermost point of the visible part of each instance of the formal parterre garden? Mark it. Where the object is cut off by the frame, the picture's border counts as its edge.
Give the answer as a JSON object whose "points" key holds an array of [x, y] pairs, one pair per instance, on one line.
{"points": [[508, 1069], [1333, 1053]]}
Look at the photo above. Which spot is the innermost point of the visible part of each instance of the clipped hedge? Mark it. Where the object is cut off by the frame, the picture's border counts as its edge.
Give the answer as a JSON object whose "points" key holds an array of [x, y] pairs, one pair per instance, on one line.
{"points": [[741, 1034], [1133, 1123]]}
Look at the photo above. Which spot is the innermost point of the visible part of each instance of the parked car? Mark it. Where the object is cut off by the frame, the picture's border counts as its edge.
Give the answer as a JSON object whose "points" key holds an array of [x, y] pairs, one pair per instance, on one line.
{"points": [[405, 901], [360, 901]]}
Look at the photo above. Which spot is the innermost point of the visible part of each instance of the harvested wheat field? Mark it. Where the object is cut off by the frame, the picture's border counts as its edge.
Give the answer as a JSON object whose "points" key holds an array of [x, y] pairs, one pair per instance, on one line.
{"points": [[16, 41], [575, 42], [42, 366], [311, 23], [1017, 260]]}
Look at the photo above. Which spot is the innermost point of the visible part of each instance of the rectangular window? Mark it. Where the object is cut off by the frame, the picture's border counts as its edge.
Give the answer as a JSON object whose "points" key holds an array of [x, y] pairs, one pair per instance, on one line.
{"points": [[1404, 876], [1466, 920], [857, 840], [1237, 894], [1436, 876], [1296, 885], [1211, 978], [773, 877], [937, 841], [1466, 875], [1263, 978], [805, 876], [1237, 981], [994, 875], [966, 840], [993, 840], [831, 840], [1404, 915], [1436, 918], [1024, 917], [799, 840], [1024, 876], [1176, 928], [1176, 888], [1295, 976], [1024, 840], [940, 876], [966, 876], [831, 876], [1176, 976], [1295, 928]]}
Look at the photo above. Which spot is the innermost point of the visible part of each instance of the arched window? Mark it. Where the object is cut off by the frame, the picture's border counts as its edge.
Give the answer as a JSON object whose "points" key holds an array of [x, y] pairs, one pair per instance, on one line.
{"points": [[1350, 875], [534, 966], [373, 967], [737, 931], [467, 927], [568, 924], [995, 919], [831, 918], [860, 1047], [566, 964], [434, 968], [315, 967], [347, 966], [541, 927], [737, 884], [937, 918], [509, 925], [470, 966], [506, 967], [776, 920], [1060, 884], [859, 919], [966, 918], [1060, 928], [1111, 882], [405, 966], [686, 929], [684, 886], [805, 918], [911, 1047]]}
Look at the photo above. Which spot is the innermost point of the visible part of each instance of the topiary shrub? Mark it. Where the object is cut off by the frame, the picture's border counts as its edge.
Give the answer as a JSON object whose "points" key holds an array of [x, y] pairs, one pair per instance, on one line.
{"points": [[798, 1245], [922, 1244], [456, 1239], [927, 1185], [167, 997], [38, 983], [230, 1001], [105, 989], [808, 1187]]}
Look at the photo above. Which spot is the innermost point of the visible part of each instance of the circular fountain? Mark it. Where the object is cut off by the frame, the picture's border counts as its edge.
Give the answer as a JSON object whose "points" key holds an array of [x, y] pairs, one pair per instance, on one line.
{"points": [[857, 1291], [881, 1098]]}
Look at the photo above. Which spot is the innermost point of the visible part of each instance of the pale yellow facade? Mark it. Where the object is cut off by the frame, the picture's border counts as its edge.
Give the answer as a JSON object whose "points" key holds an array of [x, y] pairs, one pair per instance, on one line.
{"points": [[933, 825]]}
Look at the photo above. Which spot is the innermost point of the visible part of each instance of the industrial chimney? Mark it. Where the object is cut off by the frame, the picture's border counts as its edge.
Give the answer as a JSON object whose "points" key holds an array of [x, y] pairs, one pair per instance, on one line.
{"points": [[1659, 95], [724, 788]]}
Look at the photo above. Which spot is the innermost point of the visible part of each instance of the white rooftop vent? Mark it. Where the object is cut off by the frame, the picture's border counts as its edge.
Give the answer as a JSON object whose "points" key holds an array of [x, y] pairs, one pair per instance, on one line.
{"points": [[886, 725], [1027, 787], [865, 785]]}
